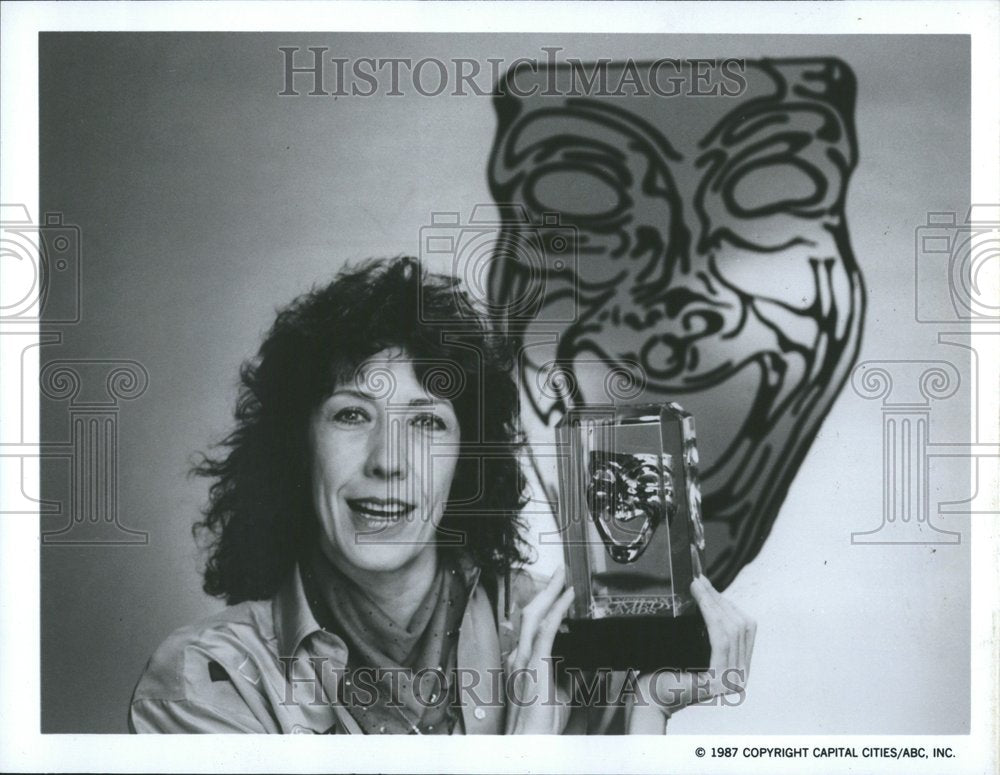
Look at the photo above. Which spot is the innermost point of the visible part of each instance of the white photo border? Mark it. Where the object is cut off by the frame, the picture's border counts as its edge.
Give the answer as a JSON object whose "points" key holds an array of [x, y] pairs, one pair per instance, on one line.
{"points": [[24, 748]]}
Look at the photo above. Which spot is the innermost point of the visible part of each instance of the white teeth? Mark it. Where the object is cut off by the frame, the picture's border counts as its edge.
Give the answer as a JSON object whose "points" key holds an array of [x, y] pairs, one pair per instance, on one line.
{"points": [[374, 510]]}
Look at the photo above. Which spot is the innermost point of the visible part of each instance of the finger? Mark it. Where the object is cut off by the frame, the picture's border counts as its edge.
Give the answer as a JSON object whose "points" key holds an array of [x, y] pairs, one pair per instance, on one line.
{"points": [[533, 613], [751, 637], [541, 656], [715, 621], [549, 626], [511, 661], [741, 621], [735, 626], [748, 632], [518, 658], [737, 634]]}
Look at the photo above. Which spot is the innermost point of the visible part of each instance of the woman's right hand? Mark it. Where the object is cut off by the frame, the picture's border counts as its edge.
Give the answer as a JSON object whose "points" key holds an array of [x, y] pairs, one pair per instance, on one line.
{"points": [[731, 633], [536, 705]]}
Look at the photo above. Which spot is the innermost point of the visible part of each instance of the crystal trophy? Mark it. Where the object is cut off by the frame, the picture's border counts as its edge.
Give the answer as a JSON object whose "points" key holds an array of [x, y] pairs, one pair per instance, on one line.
{"points": [[630, 520]]}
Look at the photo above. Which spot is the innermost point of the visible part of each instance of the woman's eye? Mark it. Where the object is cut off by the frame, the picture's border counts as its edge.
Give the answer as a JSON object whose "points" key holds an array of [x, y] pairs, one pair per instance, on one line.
{"points": [[351, 416], [430, 422]]}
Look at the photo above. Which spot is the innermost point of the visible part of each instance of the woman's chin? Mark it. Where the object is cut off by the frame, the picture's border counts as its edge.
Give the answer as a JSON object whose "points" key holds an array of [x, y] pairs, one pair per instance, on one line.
{"points": [[377, 554]]}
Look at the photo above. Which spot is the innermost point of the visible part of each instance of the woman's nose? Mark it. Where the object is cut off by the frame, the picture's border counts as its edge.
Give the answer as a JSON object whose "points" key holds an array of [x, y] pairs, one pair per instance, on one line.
{"points": [[387, 458]]}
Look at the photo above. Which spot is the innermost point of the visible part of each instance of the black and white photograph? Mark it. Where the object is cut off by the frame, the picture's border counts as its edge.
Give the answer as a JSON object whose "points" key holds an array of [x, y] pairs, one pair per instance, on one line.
{"points": [[564, 369]]}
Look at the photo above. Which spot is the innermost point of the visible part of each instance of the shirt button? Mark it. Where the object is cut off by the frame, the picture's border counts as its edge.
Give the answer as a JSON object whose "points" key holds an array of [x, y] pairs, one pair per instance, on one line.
{"points": [[479, 713]]}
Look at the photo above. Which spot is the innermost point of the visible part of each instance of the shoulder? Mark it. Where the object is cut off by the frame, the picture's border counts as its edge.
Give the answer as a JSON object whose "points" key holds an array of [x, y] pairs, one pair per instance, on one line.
{"points": [[201, 653]]}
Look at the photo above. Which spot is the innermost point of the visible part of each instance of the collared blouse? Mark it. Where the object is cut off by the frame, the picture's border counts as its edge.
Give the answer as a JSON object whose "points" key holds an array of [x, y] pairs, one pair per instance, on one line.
{"points": [[267, 666]]}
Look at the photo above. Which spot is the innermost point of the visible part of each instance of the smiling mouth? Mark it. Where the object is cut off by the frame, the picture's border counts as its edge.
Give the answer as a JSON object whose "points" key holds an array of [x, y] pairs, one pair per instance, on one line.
{"points": [[380, 509]]}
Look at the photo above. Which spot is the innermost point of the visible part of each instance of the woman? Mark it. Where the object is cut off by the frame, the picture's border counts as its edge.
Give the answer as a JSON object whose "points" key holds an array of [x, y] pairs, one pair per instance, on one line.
{"points": [[361, 523]]}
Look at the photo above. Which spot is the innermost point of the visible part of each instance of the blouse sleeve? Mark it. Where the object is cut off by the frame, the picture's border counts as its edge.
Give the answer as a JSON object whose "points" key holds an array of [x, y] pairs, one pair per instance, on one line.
{"points": [[188, 717]]}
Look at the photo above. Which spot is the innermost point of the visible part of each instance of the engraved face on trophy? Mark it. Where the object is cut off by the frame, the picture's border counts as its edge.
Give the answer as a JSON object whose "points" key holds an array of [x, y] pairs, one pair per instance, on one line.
{"points": [[629, 509], [630, 525], [628, 496]]}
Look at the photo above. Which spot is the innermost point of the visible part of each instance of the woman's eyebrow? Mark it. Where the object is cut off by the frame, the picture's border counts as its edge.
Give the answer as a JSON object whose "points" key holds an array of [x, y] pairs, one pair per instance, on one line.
{"points": [[354, 393], [422, 401]]}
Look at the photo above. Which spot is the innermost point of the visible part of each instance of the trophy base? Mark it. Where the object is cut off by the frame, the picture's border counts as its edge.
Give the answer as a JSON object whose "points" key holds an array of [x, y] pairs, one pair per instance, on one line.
{"points": [[641, 643]]}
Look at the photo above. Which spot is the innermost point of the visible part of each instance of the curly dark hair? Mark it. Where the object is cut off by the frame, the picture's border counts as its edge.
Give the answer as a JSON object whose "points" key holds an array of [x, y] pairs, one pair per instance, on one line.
{"points": [[260, 517]]}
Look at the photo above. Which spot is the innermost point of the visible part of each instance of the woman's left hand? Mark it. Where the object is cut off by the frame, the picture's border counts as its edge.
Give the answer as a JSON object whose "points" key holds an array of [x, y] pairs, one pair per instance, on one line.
{"points": [[538, 705], [731, 634]]}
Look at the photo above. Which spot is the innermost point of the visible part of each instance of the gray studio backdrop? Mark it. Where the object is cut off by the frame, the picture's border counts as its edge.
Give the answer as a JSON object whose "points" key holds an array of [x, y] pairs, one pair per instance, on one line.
{"points": [[205, 200]]}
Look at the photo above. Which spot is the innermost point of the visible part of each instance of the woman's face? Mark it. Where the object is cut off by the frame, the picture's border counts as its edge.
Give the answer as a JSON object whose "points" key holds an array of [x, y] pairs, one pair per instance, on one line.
{"points": [[383, 457]]}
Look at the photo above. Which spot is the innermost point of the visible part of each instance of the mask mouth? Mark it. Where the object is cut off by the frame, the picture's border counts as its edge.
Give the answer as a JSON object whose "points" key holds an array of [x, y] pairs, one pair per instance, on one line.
{"points": [[629, 498]]}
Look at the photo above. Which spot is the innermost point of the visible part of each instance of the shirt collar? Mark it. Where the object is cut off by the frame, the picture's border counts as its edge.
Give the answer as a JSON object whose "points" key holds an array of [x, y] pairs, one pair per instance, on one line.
{"points": [[293, 618]]}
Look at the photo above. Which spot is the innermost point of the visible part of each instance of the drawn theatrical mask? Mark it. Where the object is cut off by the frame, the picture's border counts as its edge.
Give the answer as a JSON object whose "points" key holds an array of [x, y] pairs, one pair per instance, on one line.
{"points": [[711, 266]]}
